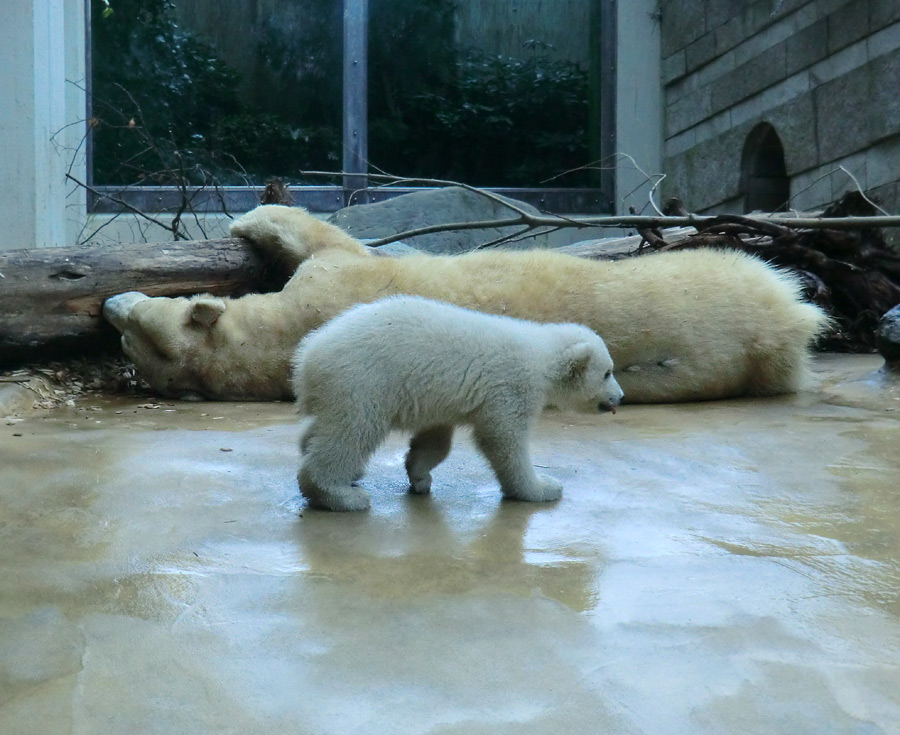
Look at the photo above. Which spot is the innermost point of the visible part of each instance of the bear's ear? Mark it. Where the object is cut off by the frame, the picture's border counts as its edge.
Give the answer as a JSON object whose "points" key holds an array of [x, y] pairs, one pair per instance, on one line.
{"points": [[205, 311], [577, 358]]}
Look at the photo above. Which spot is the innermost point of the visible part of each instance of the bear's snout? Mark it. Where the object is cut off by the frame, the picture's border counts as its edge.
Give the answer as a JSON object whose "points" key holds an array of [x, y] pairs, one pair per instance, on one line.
{"points": [[610, 403]]}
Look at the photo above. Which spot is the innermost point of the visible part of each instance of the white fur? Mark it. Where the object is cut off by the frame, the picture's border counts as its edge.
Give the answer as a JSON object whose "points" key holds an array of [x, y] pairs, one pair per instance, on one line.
{"points": [[422, 366]]}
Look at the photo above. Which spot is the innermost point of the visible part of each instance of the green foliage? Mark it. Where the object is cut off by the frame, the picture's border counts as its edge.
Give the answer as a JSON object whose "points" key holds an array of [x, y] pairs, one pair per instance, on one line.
{"points": [[299, 76], [500, 121], [168, 110], [157, 92], [268, 146], [411, 51]]}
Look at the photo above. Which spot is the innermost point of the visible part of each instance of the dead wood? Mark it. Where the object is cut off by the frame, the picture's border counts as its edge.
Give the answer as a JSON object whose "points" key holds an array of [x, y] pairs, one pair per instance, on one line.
{"points": [[852, 273], [51, 298]]}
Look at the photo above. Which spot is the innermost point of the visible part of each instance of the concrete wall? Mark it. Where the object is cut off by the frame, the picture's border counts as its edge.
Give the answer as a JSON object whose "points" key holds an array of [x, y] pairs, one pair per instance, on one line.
{"points": [[824, 73]]}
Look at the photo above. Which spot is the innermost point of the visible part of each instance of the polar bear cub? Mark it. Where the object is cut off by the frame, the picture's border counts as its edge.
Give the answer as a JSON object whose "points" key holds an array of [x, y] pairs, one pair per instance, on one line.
{"points": [[424, 366]]}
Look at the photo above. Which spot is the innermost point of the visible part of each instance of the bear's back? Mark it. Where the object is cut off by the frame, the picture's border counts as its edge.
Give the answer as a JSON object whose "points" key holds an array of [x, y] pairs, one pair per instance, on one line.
{"points": [[414, 358]]}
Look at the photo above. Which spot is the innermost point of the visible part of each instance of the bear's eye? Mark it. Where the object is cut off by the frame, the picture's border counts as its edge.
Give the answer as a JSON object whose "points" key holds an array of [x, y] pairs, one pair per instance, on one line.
{"points": [[608, 375]]}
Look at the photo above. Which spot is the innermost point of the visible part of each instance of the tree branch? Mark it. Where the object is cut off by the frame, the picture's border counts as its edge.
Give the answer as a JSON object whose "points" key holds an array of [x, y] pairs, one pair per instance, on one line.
{"points": [[768, 224], [125, 205], [774, 225]]}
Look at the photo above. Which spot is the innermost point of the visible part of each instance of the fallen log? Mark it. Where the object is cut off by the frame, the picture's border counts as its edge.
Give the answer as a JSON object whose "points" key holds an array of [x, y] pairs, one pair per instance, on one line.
{"points": [[51, 298]]}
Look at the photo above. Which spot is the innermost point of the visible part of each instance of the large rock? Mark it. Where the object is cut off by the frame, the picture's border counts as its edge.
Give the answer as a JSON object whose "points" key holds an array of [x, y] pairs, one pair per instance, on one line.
{"points": [[887, 337], [431, 207]]}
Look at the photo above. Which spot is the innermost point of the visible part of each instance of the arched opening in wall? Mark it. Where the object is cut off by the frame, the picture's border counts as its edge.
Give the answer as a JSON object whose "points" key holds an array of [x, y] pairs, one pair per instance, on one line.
{"points": [[764, 180]]}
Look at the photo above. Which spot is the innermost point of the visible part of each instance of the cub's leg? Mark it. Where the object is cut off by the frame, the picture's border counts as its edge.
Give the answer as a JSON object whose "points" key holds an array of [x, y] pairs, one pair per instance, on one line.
{"points": [[427, 450], [307, 428], [506, 448], [333, 458]]}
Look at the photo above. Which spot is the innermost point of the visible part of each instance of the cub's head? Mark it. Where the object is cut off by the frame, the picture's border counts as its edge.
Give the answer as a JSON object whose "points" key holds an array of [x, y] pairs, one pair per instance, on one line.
{"points": [[583, 375], [178, 345]]}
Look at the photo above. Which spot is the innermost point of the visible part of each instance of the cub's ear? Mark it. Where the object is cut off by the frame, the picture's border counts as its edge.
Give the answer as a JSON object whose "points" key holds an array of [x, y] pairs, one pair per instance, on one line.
{"points": [[206, 310], [576, 360]]}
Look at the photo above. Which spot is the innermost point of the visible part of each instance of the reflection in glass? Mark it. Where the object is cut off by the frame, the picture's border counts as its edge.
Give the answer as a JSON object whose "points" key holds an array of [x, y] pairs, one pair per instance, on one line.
{"points": [[491, 94]]}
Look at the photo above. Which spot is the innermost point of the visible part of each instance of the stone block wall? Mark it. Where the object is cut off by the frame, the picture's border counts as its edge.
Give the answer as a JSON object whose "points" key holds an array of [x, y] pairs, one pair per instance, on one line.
{"points": [[824, 73]]}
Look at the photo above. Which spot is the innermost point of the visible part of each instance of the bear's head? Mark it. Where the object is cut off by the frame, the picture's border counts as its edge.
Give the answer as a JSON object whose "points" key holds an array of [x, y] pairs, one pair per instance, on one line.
{"points": [[583, 376], [179, 345]]}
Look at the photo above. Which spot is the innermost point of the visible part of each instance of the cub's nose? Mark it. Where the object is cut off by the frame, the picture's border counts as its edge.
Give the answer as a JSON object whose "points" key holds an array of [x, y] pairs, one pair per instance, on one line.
{"points": [[611, 403]]}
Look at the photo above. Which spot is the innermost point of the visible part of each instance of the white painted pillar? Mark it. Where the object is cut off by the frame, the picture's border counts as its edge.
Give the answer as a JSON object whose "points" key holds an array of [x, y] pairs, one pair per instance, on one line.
{"points": [[34, 140], [75, 156], [639, 111]]}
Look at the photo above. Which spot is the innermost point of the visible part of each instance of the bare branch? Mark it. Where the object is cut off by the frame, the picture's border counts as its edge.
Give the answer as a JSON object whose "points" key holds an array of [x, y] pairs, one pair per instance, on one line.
{"points": [[453, 227], [860, 190], [771, 224], [504, 239], [131, 208]]}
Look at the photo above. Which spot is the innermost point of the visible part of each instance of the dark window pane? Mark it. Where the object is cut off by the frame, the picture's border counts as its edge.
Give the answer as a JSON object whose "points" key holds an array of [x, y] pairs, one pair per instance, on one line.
{"points": [[488, 93], [238, 91], [225, 92]]}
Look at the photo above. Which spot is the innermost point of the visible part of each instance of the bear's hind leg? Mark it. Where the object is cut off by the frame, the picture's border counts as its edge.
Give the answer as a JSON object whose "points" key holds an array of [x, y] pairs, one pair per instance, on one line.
{"points": [[506, 448], [427, 450], [333, 460]]}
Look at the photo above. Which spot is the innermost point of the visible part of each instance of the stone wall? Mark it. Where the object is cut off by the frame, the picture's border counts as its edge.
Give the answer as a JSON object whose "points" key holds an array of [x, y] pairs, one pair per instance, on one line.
{"points": [[823, 73]]}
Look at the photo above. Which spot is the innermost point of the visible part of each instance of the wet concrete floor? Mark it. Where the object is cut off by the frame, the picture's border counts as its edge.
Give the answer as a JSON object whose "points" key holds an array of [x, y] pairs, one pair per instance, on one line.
{"points": [[731, 567]]}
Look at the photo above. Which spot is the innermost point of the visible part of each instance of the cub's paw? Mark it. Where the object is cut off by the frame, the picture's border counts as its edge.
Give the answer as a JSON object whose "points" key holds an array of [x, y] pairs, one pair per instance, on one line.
{"points": [[545, 490], [420, 485], [548, 489], [341, 499]]}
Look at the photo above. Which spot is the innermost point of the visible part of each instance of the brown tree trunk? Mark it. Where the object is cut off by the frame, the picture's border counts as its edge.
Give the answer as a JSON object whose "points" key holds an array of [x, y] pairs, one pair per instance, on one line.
{"points": [[51, 298]]}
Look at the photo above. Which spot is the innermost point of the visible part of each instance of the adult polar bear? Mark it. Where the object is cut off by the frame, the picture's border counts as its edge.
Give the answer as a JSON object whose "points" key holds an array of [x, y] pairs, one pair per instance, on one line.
{"points": [[680, 326]]}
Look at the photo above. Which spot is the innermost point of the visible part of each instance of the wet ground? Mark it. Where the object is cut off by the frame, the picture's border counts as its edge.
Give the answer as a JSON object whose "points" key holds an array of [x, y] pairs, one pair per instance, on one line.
{"points": [[731, 567]]}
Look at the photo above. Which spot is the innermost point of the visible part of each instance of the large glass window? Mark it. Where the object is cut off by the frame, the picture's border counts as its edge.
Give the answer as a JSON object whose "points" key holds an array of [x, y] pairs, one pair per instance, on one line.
{"points": [[206, 92], [210, 93]]}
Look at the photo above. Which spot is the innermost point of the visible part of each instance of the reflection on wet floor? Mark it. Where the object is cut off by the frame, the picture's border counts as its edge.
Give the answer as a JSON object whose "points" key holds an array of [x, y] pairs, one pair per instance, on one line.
{"points": [[721, 567]]}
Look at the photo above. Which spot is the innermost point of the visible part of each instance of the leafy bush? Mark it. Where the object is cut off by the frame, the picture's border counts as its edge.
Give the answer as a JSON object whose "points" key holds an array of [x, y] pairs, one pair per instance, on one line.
{"points": [[268, 146], [499, 121], [167, 108], [157, 91]]}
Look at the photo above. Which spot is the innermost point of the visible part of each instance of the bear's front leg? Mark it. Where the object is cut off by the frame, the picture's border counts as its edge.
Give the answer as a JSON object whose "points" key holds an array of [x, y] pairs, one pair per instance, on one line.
{"points": [[291, 235], [427, 450], [332, 461], [506, 448], [334, 497]]}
